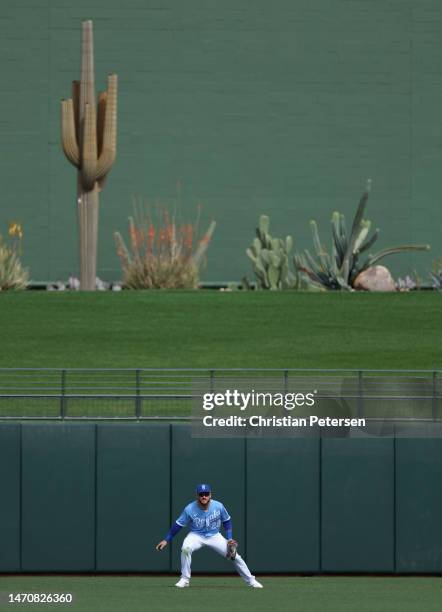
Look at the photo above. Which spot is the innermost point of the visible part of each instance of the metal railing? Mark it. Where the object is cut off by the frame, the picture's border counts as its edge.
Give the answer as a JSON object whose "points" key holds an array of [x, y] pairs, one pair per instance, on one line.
{"points": [[155, 394]]}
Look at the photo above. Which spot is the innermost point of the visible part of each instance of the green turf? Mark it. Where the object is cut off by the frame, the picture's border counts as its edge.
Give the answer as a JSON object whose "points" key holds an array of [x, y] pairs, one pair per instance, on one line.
{"points": [[221, 329], [217, 594]]}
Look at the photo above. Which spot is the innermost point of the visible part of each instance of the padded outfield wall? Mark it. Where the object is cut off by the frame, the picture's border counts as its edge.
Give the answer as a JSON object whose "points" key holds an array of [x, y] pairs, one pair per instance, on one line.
{"points": [[255, 107], [90, 497]]}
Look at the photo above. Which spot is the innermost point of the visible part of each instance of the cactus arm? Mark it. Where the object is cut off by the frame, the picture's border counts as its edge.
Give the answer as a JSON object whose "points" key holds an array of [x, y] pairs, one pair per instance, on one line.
{"points": [[264, 224], [101, 182], [322, 254], [256, 246], [366, 245], [365, 228], [359, 214], [89, 153], [342, 228], [338, 233], [251, 254], [68, 137], [372, 259], [273, 276], [109, 149], [262, 231], [76, 103], [345, 267], [101, 112], [288, 244]]}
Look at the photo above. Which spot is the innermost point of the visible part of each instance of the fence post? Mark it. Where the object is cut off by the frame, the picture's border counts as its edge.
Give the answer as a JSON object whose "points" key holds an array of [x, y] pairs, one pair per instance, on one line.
{"points": [[63, 395], [360, 395], [434, 399], [137, 394]]}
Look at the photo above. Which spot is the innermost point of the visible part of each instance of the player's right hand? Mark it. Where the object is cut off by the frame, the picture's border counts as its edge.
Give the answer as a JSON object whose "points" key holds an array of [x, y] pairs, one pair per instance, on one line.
{"points": [[161, 545]]}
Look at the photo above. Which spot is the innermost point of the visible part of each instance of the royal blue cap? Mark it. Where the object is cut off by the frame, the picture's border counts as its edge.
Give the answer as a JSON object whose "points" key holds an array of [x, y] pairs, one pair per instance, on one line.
{"points": [[203, 488]]}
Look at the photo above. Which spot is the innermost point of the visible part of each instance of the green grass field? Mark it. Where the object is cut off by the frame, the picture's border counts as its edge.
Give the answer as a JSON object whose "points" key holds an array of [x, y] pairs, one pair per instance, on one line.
{"points": [[217, 594], [221, 329]]}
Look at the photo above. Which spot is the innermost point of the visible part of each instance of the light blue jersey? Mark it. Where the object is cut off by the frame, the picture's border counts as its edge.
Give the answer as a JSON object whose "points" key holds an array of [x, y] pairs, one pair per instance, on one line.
{"points": [[205, 523]]}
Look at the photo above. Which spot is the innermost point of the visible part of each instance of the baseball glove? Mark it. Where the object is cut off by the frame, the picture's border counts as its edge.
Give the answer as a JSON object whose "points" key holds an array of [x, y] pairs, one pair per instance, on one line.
{"points": [[231, 549]]}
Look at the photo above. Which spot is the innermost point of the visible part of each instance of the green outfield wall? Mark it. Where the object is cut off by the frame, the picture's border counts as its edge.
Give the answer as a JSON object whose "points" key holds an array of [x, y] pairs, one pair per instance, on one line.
{"points": [[98, 497], [256, 107]]}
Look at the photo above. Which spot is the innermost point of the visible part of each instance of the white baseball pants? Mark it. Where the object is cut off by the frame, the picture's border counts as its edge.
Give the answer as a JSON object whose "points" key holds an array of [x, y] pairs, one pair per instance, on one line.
{"points": [[218, 543]]}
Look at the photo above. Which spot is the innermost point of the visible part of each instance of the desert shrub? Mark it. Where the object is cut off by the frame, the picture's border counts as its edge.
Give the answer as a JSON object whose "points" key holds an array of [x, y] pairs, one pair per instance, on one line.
{"points": [[162, 251], [12, 273]]}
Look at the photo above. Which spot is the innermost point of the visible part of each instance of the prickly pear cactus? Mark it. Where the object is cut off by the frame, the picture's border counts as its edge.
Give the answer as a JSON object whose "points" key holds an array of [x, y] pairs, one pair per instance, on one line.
{"points": [[270, 259]]}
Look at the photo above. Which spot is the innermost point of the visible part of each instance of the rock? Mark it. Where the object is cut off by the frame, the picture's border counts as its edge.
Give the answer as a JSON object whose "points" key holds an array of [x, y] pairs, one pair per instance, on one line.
{"points": [[375, 278]]}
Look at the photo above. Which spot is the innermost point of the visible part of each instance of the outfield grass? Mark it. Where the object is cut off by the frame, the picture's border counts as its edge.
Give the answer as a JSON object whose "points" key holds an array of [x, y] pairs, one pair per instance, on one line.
{"points": [[221, 329], [218, 594]]}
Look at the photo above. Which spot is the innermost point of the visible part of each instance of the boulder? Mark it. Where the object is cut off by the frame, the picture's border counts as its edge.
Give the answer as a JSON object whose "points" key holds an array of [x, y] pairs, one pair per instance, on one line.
{"points": [[375, 278]]}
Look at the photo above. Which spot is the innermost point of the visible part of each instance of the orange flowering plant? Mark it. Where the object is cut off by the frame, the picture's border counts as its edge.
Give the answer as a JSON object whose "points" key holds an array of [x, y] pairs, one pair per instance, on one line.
{"points": [[163, 252]]}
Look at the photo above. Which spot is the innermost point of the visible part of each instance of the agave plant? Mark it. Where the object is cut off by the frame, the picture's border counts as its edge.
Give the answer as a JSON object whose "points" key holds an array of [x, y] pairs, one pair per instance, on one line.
{"points": [[339, 269]]}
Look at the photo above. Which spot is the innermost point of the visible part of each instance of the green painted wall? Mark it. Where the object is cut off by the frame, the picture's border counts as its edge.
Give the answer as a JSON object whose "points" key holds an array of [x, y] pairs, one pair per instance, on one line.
{"points": [[254, 107], [58, 497], [358, 505], [419, 503], [133, 492], [98, 497], [283, 505], [10, 486]]}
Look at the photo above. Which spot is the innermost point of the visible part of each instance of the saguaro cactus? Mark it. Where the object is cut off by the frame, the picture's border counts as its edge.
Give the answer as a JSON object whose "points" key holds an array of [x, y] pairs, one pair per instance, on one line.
{"points": [[89, 139]]}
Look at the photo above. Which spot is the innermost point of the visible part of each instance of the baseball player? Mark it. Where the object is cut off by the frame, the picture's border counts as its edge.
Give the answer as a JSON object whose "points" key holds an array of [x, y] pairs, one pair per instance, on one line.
{"points": [[204, 516]]}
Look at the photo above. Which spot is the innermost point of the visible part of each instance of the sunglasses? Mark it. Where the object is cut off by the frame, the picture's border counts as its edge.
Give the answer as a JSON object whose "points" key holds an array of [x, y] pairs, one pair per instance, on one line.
{"points": [[203, 494]]}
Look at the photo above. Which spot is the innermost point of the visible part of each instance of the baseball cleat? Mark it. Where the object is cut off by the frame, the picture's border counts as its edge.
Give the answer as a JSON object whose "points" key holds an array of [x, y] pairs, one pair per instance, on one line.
{"points": [[182, 582], [256, 585]]}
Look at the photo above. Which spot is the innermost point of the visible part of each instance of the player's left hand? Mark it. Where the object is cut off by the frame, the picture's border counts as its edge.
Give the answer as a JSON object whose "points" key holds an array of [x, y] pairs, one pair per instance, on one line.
{"points": [[161, 545]]}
